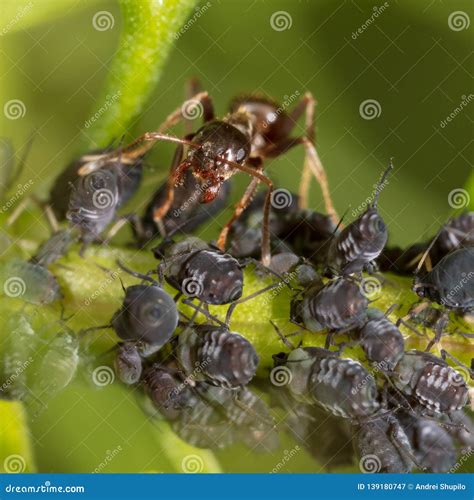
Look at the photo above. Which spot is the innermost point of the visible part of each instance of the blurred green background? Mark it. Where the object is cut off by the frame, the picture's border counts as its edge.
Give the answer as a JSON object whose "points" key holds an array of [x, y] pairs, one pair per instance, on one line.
{"points": [[409, 60]]}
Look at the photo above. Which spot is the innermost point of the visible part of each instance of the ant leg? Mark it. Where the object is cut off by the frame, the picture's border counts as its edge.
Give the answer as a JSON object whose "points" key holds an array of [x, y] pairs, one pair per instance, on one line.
{"points": [[239, 208], [266, 254]]}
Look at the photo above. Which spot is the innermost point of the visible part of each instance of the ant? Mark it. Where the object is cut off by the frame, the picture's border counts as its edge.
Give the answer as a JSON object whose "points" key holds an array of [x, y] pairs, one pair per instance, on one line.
{"points": [[255, 129]]}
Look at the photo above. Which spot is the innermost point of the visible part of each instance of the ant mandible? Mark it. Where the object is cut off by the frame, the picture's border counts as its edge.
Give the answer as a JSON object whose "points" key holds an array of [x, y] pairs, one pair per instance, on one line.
{"points": [[255, 129]]}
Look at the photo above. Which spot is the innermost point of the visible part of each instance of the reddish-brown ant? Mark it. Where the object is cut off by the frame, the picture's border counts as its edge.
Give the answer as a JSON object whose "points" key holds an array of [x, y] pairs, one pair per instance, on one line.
{"points": [[254, 130]]}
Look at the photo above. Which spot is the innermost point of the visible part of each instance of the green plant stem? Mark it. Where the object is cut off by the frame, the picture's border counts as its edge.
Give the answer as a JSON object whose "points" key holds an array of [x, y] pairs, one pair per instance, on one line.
{"points": [[148, 34]]}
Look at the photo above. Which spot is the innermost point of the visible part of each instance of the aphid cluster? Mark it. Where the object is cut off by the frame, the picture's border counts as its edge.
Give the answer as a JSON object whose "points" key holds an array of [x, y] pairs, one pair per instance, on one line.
{"points": [[404, 407]]}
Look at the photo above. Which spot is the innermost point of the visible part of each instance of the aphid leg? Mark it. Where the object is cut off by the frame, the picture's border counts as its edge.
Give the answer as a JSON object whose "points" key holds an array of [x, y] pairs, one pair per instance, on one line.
{"points": [[118, 225], [204, 312], [266, 254], [439, 327], [144, 277], [445, 354], [404, 449], [284, 338]]}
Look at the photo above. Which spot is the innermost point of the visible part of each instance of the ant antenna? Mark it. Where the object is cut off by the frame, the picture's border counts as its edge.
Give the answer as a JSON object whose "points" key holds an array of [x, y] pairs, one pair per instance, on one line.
{"points": [[380, 185]]}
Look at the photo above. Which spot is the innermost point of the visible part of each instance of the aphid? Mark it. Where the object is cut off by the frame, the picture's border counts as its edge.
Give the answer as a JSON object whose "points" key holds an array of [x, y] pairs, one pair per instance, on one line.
{"points": [[127, 175], [167, 391], [30, 282], [462, 430], [338, 305], [356, 247], [148, 314], [450, 282], [197, 270], [457, 233], [53, 248], [381, 340], [341, 386], [128, 363], [433, 447], [431, 382], [254, 130], [214, 354], [16, 357], [383, 445], [58, 365]]}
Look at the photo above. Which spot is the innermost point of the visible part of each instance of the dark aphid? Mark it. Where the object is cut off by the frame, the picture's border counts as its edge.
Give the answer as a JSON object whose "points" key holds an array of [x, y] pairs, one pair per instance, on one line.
{"points": [[381, 340], [197, 270], [338, 305], [457, 233], [148, 314], [167, 391], [127, 177], [128, 363], [53, 248], [431, 382], [432, 445], [255, 129], [214, 354], [361, 242], [383, 445], [462, 430], [28, 281], [450, 282], [186, 213], [341, 386]]}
